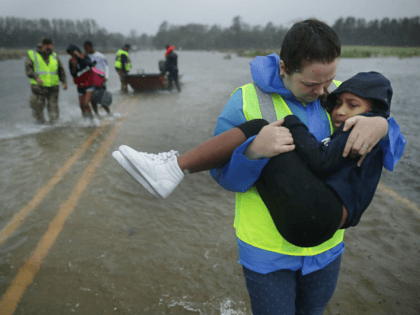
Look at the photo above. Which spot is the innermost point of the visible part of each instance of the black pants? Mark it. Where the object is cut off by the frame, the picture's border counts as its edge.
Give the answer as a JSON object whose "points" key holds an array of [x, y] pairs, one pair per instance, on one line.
{"points": [[306, 211], [173, 77]]}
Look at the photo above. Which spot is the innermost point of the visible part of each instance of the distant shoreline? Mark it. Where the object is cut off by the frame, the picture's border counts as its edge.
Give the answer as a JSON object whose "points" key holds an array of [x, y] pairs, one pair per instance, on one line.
{"points": [[346, 52], [12, 53]]}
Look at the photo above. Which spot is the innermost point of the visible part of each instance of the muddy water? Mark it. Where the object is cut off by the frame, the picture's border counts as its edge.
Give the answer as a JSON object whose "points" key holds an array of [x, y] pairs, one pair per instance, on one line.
{"points": [[121, 251]]}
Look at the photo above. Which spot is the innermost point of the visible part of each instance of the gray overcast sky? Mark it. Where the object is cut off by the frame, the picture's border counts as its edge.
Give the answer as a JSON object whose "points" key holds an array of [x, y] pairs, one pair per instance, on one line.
{"points": [[145, 16]]}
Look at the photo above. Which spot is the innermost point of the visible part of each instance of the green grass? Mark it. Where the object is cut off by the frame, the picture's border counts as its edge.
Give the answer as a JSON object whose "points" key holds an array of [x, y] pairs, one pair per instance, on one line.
{"points": [[6, 54], [349, 52], [9, 53], [346, 52], [378, 51]]}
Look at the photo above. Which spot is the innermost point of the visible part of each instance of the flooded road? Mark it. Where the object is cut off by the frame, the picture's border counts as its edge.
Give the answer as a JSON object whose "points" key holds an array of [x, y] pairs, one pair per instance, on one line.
{"points": [[80, 236]]}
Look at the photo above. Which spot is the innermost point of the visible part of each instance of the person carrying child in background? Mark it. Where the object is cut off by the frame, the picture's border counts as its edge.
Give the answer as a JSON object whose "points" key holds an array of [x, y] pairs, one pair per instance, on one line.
{"points": [[102, 65], [85, 76]]}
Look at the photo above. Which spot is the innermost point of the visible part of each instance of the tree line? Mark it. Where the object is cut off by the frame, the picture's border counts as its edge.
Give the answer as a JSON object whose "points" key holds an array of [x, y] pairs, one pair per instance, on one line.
{"points": [[387, 32], [26, 33]]}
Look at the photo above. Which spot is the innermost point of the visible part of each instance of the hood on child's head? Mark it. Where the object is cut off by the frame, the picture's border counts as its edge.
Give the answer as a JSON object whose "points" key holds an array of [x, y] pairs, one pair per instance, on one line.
{"points": [[371, 85], [72, 48]]}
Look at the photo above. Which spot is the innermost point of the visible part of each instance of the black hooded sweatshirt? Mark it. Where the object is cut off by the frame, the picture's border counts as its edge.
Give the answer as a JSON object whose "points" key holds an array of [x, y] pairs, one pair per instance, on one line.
{"points": [[82, 64], [354, 185]]}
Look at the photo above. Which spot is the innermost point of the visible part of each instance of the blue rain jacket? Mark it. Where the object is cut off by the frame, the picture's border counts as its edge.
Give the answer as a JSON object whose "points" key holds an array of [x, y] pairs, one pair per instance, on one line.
{"points": [[239, 174]]}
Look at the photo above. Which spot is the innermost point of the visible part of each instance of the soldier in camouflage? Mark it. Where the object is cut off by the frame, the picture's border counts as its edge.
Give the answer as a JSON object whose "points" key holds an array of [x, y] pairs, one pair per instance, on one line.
{"points": [[45, 70]]}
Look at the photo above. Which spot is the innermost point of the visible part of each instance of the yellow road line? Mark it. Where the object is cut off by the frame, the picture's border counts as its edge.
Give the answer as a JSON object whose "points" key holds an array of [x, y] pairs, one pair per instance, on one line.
{"points": [[41, 193], [28, 271], [398, 197]]}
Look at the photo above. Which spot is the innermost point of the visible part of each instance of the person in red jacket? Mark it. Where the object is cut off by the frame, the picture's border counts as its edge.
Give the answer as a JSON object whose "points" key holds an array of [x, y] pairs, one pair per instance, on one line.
{"points": [[85, 76], [171, 66]]}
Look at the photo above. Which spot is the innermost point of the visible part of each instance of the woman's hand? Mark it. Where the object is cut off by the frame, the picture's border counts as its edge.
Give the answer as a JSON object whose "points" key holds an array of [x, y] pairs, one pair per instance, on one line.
{"points": [[77, 54], [272, 140], [366, 133], [344, 218]]}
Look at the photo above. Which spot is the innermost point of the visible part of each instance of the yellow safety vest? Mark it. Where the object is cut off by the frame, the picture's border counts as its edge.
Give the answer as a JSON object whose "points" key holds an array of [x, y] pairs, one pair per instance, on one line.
{"points": [[47, 73], [118, 64], [253, 222]]}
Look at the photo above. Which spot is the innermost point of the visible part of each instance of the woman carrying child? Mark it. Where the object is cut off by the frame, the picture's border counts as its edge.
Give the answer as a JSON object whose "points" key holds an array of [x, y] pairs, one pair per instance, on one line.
{"points": [[283, 278]]}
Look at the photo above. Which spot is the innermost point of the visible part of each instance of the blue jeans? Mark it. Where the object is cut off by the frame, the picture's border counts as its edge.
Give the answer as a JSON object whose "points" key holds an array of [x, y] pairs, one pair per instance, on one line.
{"points": [[288, 292]]}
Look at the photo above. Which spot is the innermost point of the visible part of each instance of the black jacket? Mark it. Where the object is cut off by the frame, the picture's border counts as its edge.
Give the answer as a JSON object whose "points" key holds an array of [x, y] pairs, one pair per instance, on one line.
{"points": [[354, 185], [171, 63], [82, 64]]}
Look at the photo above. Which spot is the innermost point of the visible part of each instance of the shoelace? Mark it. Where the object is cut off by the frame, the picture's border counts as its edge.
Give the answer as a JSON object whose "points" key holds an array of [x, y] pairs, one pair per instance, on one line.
{"points": [[163, 156]]}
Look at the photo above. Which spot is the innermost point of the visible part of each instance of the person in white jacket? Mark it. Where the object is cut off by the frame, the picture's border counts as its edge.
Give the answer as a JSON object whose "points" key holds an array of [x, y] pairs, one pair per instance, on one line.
{"points": [[102, 65]]}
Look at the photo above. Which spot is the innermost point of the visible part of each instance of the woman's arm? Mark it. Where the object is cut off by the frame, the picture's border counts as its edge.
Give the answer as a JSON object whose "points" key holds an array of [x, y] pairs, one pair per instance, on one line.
{"points": [[367, 132], [239, 173], [73, 67], [272, 140], [322, 157]]}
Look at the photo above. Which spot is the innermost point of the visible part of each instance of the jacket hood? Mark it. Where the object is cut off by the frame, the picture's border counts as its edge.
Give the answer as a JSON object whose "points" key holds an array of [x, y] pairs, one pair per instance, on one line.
{"points": [[72, 48], [169, 50], [370, 85], [266, 74]]}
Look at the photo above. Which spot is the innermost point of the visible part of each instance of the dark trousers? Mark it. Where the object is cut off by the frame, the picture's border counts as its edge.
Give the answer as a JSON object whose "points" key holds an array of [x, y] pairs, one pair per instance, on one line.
{"points": [[287, 292], [173, 77]]}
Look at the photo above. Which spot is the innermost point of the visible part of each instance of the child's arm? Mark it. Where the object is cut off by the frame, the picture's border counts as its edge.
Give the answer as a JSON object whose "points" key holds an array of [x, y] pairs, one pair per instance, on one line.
{"points": [[321, 157]]}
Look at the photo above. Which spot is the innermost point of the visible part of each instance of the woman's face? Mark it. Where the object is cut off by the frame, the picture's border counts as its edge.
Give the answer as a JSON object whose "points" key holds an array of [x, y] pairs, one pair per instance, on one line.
{"points": [[310, 83], [348, 105]]}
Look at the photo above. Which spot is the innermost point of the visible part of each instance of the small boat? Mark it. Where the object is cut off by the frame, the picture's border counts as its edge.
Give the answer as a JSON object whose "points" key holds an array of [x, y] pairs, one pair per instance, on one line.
{"points": [[148, 81]]}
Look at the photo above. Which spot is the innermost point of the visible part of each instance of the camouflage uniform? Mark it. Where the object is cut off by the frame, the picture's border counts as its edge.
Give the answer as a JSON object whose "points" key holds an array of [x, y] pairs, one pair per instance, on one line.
{"points": [[123, 79], [42, 93]]}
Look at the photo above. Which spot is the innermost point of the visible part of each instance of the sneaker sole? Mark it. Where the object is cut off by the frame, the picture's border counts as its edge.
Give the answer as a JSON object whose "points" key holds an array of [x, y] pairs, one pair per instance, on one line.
{"points": [[126, 164], [129, 155]]}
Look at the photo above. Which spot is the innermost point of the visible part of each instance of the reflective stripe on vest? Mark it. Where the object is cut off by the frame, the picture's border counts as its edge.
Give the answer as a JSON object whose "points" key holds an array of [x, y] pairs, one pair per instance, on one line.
{"points": [[47, 73], [253, 222], [118, 64]]}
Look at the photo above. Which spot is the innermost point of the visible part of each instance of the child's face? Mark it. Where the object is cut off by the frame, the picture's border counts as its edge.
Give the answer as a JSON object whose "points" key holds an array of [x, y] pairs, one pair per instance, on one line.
{"points": [[348, 105]]}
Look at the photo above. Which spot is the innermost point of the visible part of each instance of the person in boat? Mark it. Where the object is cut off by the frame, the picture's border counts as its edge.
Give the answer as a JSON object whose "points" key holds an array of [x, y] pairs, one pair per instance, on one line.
{"points": [[85, 76], [44, 68], [102, 65], [123, 65], [171, 66], [297, 279]]}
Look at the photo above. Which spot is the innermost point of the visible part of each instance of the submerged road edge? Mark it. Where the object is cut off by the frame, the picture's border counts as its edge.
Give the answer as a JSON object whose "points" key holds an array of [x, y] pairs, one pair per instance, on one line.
{"points": [[32, 265]]}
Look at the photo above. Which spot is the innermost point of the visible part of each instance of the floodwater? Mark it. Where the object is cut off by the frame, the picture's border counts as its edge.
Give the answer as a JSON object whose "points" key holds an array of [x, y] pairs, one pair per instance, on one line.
{"points": [[80, 236]]}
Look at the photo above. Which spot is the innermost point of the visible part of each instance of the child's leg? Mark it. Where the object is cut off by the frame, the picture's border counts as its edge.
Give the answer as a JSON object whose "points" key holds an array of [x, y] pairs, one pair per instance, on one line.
{"points": [[164, 171], [215, 152], [305, 211]]}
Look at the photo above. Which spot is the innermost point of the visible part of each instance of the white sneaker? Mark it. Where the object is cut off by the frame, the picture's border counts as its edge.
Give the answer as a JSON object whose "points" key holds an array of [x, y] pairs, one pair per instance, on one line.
{"points": [[161, 171], [126, 164]]}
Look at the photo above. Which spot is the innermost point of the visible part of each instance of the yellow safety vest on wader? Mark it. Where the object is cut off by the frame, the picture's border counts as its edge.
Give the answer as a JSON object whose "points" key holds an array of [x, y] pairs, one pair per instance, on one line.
{"points": [[253, 222], [47, 73], [118, 64]]}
